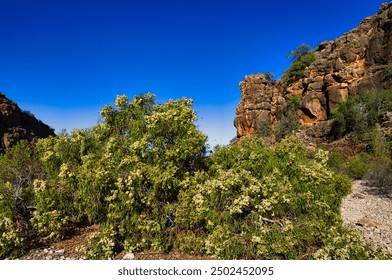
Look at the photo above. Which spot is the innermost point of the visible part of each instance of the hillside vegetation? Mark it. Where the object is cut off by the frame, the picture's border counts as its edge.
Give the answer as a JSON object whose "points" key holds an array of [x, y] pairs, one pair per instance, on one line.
{"points": [[143, 175]]}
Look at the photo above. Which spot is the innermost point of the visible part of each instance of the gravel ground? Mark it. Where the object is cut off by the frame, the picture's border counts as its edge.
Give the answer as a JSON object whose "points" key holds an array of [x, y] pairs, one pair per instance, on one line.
{"points": [[369, 212]]}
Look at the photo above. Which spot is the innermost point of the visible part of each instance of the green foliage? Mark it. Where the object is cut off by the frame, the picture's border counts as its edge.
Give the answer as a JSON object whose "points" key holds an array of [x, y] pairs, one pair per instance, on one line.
{"points": [[294, 103], [380, 176], [347, 244], [143, 176], [140, 153], [359, 115], [12, 240], [298, 67], [269, 76], [286, 126], [18, 169], [302, 59], [299, 51], [289, 123], [359, 165], [388, 70], [50, 220], [101, 245], [264, 129], [336, 161], [358, 118], [260, 203]]}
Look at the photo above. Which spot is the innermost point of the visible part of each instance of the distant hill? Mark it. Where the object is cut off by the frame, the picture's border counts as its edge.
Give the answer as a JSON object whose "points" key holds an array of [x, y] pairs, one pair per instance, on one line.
{"points": [[16, 124]]}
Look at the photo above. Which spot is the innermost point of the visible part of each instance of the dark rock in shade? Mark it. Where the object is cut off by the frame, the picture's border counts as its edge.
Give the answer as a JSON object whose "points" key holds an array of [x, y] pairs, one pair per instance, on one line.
{"points": [[347, 66], [16, 125]]}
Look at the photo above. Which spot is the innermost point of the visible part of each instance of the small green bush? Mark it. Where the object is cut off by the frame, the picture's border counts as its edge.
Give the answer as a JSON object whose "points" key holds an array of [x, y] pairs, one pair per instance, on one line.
{"points": [[336, 162], [102, 245], [286, 126], [359, 115], [50, 220], [12, 234], [264, 129], [269, 76], [12, 240], [388, 71], [299, 51], [380, 176], [19, 167], [359, 166], [289, 123], [302, 59], [347, 244]]}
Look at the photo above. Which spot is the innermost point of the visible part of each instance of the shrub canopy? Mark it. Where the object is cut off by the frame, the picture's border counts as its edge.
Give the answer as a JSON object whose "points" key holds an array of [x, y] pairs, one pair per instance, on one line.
{"points": [[143, 175]]}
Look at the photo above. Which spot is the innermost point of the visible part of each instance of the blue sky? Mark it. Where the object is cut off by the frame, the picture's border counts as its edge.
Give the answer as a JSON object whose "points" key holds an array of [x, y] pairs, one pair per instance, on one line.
{"points": [[64, 60]]}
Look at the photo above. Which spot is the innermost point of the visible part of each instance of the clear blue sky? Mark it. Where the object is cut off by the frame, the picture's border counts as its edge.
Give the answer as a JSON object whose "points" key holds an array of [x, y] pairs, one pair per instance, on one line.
{"points": [[64, 60]]}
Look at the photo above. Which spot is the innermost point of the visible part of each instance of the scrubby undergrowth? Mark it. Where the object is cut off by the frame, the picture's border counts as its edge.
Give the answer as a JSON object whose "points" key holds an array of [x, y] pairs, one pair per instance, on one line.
{"points": [[364, 120], [143, 175]]}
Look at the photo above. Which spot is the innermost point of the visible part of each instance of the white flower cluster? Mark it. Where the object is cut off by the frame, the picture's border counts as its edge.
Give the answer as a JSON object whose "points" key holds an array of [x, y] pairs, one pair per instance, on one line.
{"points": [[65, 171], [121, 101], [50, 224], [39, 186], [10, 237]]}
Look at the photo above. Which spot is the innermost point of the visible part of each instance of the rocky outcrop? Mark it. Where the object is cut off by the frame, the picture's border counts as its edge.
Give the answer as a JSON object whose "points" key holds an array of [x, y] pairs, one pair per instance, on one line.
{"points": [[16, 124], [261, 103], [349, 65]]}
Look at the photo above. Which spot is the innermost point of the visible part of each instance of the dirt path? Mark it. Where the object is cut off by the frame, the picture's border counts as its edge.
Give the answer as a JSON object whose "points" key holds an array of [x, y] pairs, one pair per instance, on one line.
{"points": [[369, 212]]}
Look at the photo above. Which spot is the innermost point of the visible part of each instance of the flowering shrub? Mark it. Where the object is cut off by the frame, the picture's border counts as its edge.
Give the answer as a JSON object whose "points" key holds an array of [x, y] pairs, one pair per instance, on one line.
{"points": [[143, 176], [347, 245], [101, 245], [12, 241], [259, 203], [18, 168], [49, 220], [124, 173], [50, 225]]}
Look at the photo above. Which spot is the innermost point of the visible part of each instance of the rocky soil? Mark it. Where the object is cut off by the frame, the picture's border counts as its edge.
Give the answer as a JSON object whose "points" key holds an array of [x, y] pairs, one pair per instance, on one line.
{"points": [[371, 213], [69, 249], [65, 249]]}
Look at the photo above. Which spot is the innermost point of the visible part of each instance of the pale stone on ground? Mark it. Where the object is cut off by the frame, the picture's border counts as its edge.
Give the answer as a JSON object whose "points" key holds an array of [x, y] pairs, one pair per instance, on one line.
{"points": [[370, 213]]}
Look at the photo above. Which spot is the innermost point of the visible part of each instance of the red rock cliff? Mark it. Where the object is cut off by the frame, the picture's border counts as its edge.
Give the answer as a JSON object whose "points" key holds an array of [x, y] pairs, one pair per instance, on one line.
{"points": [[349, 65]]}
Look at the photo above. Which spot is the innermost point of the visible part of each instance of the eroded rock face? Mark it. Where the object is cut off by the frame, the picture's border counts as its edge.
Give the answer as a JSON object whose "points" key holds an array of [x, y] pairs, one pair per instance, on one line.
{"points": [[349, 65], [260, 103], [16, 124]]}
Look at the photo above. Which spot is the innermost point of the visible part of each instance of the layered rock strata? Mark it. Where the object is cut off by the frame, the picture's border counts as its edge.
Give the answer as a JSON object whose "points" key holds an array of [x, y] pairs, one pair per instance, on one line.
{"points": [[349, 65]]}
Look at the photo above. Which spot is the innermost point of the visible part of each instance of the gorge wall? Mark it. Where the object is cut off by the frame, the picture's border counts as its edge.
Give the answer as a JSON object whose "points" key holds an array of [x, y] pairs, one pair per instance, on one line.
{"points": [[16, 124], [349, 65]]}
